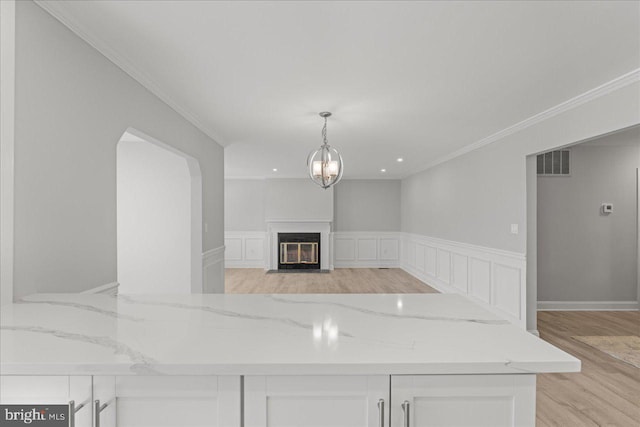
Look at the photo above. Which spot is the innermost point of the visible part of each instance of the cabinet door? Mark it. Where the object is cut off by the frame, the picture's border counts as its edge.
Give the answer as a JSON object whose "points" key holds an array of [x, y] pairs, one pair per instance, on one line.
{"points": [[169, 401], [316, 401], [56, 390], [463, 400]]}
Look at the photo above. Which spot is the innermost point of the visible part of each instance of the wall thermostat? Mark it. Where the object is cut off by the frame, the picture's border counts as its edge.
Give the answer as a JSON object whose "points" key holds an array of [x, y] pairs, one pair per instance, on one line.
{"points": [[607, 208]]}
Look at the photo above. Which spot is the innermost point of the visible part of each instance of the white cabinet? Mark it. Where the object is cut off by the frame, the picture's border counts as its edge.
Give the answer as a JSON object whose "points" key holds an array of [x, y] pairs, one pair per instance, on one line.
{"points": [[463, 400], [168, 401], [53, 390], [134, 401], [316, 401], [284, 401]]}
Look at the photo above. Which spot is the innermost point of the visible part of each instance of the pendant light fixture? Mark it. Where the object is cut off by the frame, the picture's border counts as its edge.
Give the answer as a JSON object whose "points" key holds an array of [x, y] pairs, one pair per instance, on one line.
{"points": [[325, 164]]}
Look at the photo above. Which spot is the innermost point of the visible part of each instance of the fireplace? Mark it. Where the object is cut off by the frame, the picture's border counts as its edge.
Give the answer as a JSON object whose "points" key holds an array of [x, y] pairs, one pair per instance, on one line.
{"points": [[315, 227], [299, 251]]}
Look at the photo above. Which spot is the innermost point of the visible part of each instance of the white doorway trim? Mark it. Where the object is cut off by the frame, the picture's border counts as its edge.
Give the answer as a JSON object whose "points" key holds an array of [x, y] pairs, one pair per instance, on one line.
{"points": [[533, 305], [196, 206], [7, 120]]}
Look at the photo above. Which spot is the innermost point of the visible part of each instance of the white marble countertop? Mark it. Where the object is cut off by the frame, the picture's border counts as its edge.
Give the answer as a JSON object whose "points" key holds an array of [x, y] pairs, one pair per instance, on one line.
{"points": [[72, 334]]}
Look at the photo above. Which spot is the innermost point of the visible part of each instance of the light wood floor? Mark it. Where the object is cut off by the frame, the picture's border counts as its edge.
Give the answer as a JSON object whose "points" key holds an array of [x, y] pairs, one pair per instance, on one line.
{"points": [[605, 393], [339, 281]]}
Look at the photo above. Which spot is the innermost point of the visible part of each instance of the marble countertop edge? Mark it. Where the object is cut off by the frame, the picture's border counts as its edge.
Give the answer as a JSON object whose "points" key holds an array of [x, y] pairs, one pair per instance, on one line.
{"points": [[431, 368]]}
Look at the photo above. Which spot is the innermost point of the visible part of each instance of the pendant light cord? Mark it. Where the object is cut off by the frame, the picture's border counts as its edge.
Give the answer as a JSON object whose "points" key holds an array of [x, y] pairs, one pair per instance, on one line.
{"points": [[324, 132]]}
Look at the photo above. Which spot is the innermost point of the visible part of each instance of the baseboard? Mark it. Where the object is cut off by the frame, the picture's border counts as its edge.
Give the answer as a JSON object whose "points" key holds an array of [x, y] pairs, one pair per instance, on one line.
{"points": [[587, 305], [534, 332], [366, 264], [108, 289], [244, 264]]}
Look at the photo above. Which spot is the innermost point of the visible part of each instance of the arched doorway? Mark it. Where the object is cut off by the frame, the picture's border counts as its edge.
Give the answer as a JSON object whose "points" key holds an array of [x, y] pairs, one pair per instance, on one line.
{"points": [[159, 214]]}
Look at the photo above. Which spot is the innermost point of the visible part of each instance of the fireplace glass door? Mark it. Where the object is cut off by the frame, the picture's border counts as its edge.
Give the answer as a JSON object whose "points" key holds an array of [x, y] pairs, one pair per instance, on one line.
{"points": [[298, 253]]}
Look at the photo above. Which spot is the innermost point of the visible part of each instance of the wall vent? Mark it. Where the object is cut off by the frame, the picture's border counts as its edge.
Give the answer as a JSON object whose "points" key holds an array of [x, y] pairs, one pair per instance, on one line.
{"points": [[553, 163]]}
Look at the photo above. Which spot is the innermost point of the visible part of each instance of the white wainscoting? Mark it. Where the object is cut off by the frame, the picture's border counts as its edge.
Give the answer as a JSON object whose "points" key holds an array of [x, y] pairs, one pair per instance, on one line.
{"points": [[366, 249], [213, 271], [491, 277], [494, 278], [245, 249], [248, 249]]}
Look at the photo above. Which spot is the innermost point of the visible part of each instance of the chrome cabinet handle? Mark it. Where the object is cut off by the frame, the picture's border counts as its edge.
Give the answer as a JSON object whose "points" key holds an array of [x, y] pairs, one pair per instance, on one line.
{"points": [[97, 409], [405, 411], [72, 412], [381, 412]]}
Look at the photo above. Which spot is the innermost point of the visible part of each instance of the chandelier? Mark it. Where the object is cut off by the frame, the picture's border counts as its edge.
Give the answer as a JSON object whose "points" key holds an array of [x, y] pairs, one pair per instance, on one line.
{"points": [[325, 164]]}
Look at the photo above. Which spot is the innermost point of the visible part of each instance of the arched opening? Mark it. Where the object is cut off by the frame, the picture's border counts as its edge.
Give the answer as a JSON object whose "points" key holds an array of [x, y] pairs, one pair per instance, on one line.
{"points": [[159, 217]]}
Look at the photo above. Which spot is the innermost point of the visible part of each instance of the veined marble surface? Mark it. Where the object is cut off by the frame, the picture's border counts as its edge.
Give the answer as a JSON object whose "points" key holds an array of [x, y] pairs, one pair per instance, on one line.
{"points": [[72, 334]]}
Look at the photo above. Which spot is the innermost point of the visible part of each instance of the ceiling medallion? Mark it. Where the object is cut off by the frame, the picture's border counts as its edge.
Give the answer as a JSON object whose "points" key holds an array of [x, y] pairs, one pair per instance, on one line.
{"points": [[325, 164]]}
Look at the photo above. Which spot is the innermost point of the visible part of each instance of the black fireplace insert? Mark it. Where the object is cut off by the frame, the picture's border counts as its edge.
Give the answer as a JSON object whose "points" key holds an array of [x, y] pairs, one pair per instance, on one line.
{"points": [[298, 251]]}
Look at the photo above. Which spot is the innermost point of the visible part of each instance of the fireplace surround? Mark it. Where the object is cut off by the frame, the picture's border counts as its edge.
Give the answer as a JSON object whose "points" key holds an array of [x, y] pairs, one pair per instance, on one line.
{"points": [[299, 251]]}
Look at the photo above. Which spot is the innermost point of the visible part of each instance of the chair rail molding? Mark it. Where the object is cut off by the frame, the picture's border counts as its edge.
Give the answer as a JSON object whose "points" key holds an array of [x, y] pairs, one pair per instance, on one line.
{"points": [[494, 278], [213, 271], [108, 289]]}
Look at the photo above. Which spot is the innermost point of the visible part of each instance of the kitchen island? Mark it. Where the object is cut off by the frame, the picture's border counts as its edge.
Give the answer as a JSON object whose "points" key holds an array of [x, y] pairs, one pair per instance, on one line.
{"points": [[277, 360]]}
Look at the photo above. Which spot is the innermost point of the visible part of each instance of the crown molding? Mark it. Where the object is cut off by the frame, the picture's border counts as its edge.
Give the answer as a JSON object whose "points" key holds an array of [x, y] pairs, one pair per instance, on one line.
{"points": [[56, 9], [597, 92]]}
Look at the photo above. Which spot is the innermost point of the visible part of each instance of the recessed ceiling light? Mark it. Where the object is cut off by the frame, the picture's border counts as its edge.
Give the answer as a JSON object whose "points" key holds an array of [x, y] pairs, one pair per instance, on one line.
{"points": [[275, 170], [400, 159], [383, 170]]}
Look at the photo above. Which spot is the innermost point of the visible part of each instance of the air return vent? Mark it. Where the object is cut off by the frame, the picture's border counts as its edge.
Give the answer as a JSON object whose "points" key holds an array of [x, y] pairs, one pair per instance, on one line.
{"points": [[554, 163]]}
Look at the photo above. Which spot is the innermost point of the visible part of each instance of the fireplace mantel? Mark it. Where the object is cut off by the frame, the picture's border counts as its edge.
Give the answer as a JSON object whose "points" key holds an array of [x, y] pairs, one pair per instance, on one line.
{"points": [[322, 226]]}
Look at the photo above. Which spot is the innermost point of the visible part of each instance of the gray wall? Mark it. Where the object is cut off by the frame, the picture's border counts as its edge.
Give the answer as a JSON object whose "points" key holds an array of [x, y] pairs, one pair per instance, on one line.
{"points": [[584, 255], [354, 205], [475, 197], [297, 199], [72, 106], [250, 202], [367, 205], [244, 202], [154, 193]]}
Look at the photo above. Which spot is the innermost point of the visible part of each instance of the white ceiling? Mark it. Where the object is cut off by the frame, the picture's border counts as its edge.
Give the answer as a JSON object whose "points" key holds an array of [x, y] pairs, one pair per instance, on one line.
{"points": [[417, 80]]}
